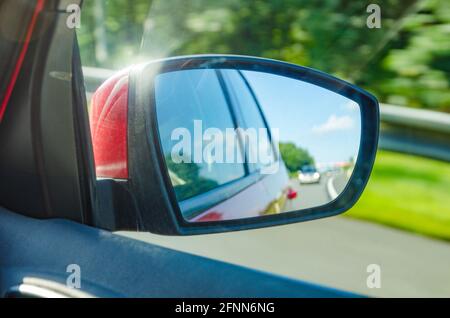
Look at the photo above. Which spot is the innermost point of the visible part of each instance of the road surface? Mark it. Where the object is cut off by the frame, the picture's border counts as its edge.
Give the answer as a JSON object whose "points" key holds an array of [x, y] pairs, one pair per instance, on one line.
{"points": [[308, 195], [333, 252], [316, 194]]}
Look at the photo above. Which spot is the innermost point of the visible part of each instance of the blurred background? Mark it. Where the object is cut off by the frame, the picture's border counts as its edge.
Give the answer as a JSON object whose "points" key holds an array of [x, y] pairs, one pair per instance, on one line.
{"points": [[402, 221]]}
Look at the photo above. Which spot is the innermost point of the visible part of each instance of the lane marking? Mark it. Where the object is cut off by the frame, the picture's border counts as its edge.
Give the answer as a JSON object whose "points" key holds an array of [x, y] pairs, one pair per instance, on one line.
{"points": [[331, 190]]}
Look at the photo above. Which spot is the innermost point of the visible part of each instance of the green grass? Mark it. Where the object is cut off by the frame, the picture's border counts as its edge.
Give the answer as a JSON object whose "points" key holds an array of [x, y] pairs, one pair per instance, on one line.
{"points": [[407, 192]]}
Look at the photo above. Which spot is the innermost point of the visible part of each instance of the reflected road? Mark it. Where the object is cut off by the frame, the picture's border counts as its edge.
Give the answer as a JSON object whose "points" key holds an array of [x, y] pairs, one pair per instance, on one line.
{"points": [[316, 194]]}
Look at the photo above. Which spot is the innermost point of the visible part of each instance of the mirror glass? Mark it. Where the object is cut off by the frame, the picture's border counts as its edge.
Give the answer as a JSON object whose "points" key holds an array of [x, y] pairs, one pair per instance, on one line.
{"points": [[241, 144]]}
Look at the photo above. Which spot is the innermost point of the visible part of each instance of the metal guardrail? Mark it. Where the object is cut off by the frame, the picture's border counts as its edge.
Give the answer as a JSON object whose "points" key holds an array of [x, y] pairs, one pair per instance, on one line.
{"points": [[403, 129], [415, 131]]}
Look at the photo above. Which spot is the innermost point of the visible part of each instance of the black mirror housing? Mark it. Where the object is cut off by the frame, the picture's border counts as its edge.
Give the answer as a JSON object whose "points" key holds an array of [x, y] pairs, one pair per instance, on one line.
{"points": [[148, 180]]}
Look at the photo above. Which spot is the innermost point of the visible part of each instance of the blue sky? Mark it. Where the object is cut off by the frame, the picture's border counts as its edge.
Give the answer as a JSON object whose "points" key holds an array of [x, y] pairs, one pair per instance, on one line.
{"points": [[327, 124]]}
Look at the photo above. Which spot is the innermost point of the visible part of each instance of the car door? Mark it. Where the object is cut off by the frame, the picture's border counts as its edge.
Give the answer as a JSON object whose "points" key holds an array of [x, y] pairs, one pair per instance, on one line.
{"points": [[218, 197], [276, 185], [50, 238]]}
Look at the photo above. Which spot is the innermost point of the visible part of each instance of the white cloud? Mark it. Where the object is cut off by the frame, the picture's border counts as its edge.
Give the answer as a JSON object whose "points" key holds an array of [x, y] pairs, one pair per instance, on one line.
{"points": [[334, 123], [350, 106]]}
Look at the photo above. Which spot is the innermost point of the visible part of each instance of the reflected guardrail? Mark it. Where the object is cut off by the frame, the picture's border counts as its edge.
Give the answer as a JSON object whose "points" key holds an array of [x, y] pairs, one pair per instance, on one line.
{"points": [[403, 129]]}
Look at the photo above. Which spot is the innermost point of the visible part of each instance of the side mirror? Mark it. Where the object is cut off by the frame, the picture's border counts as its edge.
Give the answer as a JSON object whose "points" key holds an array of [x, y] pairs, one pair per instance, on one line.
{"points": [[220, 143]]}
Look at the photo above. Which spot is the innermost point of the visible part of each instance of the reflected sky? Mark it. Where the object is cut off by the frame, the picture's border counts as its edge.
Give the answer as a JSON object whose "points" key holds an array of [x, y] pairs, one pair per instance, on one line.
{"points": [[327, 124]]}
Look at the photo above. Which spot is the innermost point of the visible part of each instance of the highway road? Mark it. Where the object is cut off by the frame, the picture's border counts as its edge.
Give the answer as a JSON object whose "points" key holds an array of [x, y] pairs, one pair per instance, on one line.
{"points": [[308, 195], [316, 194], [333, 252]]}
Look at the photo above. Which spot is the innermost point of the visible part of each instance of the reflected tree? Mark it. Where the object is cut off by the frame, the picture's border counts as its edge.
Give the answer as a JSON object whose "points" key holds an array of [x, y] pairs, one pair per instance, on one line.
{"points": [[186, 179], [295, 157]]}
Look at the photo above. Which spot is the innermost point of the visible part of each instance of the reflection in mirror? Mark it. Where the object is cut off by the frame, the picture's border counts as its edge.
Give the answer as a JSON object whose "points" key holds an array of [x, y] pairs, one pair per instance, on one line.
{"points": [[242, 144]]}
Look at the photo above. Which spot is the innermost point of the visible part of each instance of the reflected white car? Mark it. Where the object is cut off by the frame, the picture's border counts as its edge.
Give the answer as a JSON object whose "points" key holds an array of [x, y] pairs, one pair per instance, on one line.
{"points": [[309, 174]]}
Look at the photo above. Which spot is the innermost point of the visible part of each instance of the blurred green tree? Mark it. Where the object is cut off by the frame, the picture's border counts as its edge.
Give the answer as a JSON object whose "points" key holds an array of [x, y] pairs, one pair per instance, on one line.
{"points": [[406, 61], [414, 69]]}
